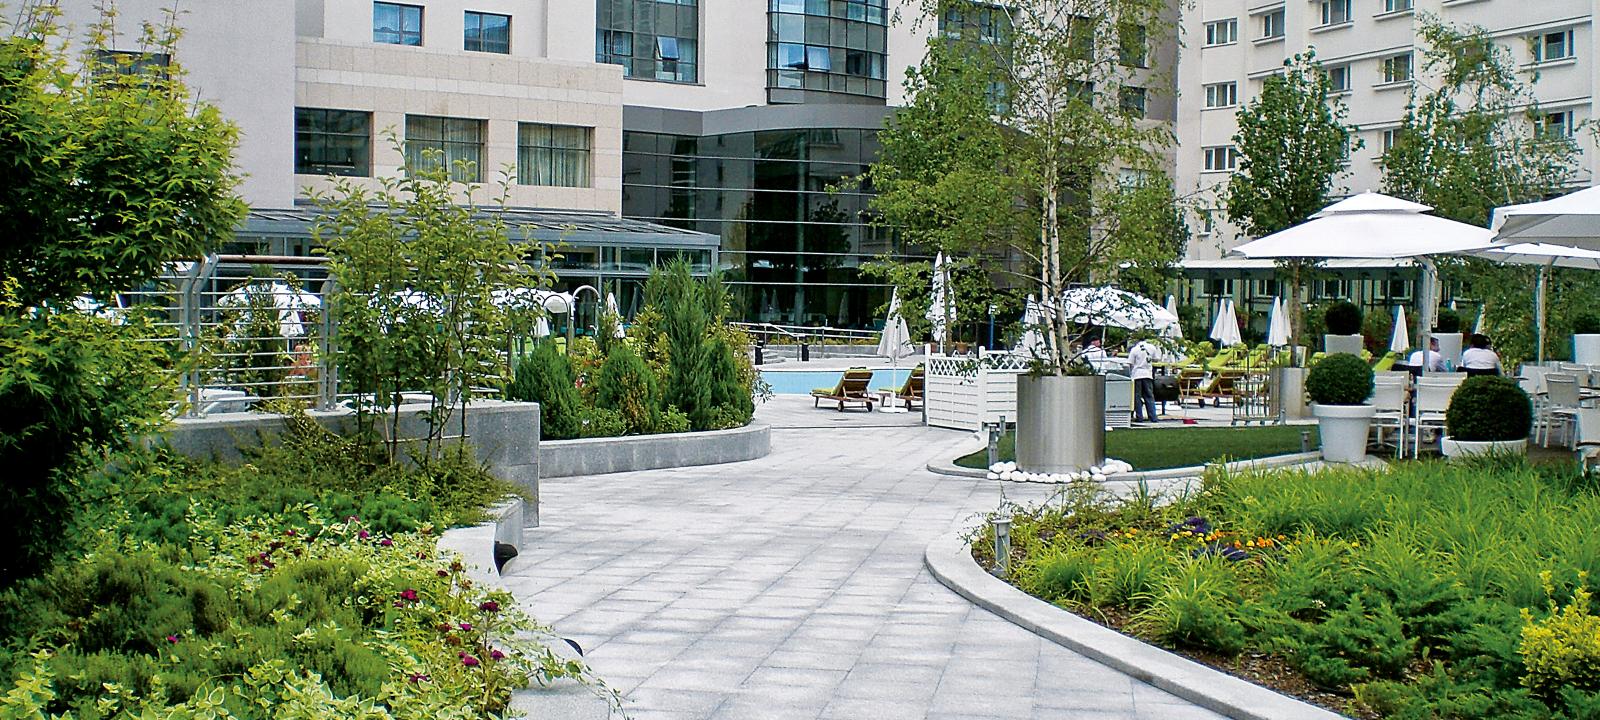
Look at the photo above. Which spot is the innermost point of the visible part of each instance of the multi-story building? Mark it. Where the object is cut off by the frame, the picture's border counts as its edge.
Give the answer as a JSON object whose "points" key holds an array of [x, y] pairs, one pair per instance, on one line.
{"points": [[720, 129], [1370, 50]]}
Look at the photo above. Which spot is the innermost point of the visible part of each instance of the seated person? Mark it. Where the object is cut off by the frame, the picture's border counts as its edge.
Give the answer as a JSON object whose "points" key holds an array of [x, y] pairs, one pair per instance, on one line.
{"points": [[1435, 360], [1092, 350], [1480, 359]]}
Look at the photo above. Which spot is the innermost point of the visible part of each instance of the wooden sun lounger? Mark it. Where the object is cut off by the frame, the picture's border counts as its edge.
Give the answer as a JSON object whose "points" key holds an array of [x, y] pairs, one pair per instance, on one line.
{"points": [[852, 388]]}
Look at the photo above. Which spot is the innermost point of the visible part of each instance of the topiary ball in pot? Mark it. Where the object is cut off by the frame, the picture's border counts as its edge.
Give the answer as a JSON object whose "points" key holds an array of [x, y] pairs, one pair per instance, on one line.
{"points": [[1449, 321], [1342, 318], [1586, 324], [1488, 408], [1340, 379]]}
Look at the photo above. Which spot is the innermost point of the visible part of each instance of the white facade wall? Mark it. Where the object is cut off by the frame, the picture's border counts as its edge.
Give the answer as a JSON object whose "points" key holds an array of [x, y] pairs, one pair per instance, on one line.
{"points": [[1374, 106]]}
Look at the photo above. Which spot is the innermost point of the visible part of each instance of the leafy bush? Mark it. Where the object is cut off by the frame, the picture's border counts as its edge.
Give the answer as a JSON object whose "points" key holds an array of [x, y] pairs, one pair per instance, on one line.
{"points": [[1586, 324], [1195, 608], [1449, 321], [1561, 651], [730, 394], [673, 421], [1488, 407], [1342, 318], [682, 302], [1058, 575], [601, 422], [1340, 379], [627, 385], [545, 377]]}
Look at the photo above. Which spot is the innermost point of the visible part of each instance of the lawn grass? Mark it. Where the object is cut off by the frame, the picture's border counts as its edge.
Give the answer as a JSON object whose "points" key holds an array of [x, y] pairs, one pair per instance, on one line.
{"points": [[1424, 590], [1172, 447]]}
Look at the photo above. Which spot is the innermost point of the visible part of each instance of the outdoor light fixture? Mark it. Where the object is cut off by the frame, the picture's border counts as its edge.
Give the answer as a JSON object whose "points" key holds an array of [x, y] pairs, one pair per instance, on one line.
{"points": [[1002, 544], [994, 444]]}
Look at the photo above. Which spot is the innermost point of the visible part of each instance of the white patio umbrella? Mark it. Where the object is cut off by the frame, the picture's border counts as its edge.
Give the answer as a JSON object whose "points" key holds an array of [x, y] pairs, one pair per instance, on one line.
{"points": [[1216, 322], [1032, 342], [611, 309], [895, 342], [1545, 256], [1572, 220], [1371, 225], [1227, 331], [1278, 332], [941, 310], [1400, 339], [289, 301], [1176, 331], [1108, 306]]}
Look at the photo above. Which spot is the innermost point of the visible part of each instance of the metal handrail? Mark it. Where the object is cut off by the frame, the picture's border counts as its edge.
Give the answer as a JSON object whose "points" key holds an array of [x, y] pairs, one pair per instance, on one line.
{"points": [[800, 333]]}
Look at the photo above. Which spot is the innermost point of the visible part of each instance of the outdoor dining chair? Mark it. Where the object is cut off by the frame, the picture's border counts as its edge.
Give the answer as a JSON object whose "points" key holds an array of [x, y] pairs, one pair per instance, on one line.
{"points": [[1562, 398], [1389, 397], [1433, 398]]}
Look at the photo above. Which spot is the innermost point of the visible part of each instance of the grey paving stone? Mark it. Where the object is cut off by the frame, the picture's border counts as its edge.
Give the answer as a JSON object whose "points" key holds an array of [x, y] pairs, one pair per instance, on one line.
{"points": [[793, 587]]}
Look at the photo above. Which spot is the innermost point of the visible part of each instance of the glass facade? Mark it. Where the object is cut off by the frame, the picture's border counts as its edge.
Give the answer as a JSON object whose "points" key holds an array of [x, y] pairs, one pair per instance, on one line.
{"points": [[791, 250], [458, 142], [650, 39], [332, 142], [834, 46]]}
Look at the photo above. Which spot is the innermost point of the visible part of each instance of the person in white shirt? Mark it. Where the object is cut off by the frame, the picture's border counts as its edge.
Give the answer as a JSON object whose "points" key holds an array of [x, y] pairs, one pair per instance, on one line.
{"points": [[1435, 359], [1479, 359], [1092, 350], [1144, 381]]}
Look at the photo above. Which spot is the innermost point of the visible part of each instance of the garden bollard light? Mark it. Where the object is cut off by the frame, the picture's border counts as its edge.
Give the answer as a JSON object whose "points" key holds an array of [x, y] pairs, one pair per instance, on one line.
{"points": [[1002, 544], [1305, 441], [994, 445]]}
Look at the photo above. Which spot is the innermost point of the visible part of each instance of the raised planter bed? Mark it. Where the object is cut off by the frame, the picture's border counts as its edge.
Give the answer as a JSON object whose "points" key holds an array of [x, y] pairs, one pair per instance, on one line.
{"points": [[599, 456]]}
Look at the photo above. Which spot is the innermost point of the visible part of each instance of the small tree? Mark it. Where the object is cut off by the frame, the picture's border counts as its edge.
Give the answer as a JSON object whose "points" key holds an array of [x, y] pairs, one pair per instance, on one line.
{"points": [[627, 385], [1293, 143], [545, 377], [682, 302]]}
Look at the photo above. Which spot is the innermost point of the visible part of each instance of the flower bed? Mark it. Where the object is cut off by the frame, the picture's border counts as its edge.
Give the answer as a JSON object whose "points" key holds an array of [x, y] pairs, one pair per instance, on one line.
{"points": [[305, 583], [1430, 590]]}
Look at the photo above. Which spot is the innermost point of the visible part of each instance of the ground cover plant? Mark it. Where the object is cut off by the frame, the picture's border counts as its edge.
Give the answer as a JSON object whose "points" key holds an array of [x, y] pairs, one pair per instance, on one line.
{"points": [[304, 582], [1427, 590], [1160, 448]]}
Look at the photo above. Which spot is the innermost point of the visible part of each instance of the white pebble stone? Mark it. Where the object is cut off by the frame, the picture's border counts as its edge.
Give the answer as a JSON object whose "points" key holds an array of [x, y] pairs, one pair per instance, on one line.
{"points": [[997, 467], [993, 476], [1007, 475], [1097, 477]]}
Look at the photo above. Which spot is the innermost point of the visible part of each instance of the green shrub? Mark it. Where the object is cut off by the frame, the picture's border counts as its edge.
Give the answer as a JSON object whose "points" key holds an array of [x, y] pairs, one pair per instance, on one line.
{"points": [[627, 385], [545, 377], [1058, 575], [1586, 324], [673, 421], [1194, 607], [601, 422], [730, 394], [1449, 321], [1356, 642], [685, 320], [1488, 407], [1561, 651], [1340, 379], [1342, 318], [1128, 574]]}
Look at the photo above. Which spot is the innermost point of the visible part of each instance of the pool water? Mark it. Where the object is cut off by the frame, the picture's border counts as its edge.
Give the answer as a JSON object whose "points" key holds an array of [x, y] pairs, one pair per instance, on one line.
{"points": [[802, 382]]}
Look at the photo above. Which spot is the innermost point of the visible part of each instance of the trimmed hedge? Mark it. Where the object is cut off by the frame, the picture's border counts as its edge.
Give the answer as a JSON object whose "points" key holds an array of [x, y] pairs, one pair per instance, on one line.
{"points": [[1342, 318], [1488, 408], [1340, 379]]}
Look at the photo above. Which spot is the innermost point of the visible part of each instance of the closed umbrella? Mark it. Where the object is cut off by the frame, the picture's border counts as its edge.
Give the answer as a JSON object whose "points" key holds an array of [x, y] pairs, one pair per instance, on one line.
{"points": [[611, 309], [1216, 322], [895, 342], [1278, 325], [1108, 306], [1400, 339], [1227, 331], [1176, 331], [940, 312], [1033, 342]]}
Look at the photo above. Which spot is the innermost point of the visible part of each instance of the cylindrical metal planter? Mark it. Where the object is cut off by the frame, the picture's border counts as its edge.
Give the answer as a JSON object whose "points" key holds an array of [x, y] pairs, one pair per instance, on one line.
{"points": [[1061, 422], [1289, 393]]}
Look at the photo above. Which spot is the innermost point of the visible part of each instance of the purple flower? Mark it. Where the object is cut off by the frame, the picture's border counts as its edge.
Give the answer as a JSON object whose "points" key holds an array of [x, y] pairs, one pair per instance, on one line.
{"points": [[386, 542], [465, 627], [362, 535], [419, 677], [496, 655], [408, 595], [172, 639], [489, 606], [290, 532], [469, 661]]}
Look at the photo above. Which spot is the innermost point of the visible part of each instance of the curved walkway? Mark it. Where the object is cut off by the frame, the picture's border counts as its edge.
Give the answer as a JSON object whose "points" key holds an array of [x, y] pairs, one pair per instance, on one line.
{"points": [[793, 587]]}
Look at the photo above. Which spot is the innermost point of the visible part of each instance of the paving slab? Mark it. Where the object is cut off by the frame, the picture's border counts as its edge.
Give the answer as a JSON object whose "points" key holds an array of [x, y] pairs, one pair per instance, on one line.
{"points": [[793, 586]]}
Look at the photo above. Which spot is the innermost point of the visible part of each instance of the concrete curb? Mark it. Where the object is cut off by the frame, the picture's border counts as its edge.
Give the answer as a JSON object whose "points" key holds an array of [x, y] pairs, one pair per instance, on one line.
{"points": [[600, 456], [949, 467], [950, 560]]}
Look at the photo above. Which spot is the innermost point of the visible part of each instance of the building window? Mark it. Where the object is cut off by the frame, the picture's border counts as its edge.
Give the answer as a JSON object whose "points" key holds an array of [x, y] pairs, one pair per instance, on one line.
{"points": [[1335, 12], [1390, 6], [1550, 47], [1131, 100], [1221, 158], [556, 155], [1397, 68], [1556, 124], [1208, 221], [487, 32], [1222, 32], [1222, 95], [1132, 45], [131, 63], [650, 39], [842, 46], [1387, 140], [1216, 287], [332, 142], [395, 24], [1338, 78], [1272, 25], [988, 23], [455, 143]]}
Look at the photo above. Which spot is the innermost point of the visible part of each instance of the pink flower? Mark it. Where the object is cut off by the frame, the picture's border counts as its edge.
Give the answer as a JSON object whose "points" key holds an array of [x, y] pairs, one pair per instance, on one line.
{"points": [[419, 677], [386, 542], [408, 595], [363, 535], [465, 627], [172, 639], [469, 661], [489, 606], [496, 655]]}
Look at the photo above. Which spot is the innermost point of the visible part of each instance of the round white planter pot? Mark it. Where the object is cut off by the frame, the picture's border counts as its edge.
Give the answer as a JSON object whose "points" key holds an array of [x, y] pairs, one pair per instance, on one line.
{"points": [[1344, 431], [1467, 448], [1586, 349]]}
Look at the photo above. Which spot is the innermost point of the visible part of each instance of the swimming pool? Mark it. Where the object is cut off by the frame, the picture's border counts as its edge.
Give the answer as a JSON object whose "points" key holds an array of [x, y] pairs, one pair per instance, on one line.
{"points": [[802, 382]]}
